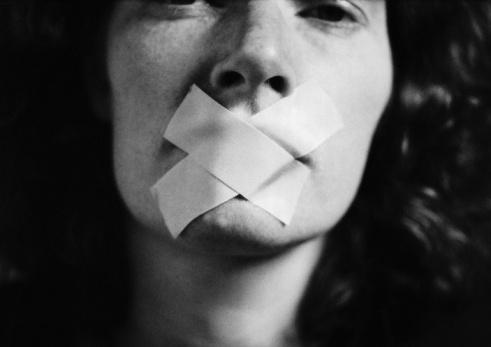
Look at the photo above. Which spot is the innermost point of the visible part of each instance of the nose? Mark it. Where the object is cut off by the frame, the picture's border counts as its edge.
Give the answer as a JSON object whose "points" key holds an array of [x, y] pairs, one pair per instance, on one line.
{"points": [[257, 64]]}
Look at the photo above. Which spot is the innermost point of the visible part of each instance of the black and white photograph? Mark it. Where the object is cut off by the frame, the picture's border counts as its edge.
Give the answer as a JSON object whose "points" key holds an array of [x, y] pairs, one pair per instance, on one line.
{"points": [[245, 173]]}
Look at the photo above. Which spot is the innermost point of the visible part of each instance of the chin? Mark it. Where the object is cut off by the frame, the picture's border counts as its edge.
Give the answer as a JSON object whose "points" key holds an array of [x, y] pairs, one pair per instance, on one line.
{"points": [[240, 228]]}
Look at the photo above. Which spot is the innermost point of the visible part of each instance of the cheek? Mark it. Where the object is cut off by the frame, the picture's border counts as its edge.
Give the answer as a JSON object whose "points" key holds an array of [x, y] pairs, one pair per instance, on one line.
{"points": [[361, 90], [148, 79], [148, 73], [151, 68], [360, 82]]}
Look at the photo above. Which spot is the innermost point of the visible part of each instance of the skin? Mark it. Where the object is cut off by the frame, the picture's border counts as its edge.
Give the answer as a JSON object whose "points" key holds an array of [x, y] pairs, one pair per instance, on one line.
{"points": [[231, 263]]}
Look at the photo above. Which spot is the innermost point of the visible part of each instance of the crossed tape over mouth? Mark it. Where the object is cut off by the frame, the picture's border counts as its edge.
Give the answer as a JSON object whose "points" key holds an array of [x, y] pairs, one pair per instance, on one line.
{"points": [[254, 158]]}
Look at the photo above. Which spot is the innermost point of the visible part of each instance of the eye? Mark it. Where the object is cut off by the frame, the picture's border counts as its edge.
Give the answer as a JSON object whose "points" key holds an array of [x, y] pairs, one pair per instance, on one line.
{"points": [[177, 2], [339, 13], [214, 3], [329, 13], [181, 9]]}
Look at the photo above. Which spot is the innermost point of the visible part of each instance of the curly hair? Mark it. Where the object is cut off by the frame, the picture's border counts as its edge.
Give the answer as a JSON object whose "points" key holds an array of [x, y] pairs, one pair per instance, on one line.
{"points": [[413, 246]]}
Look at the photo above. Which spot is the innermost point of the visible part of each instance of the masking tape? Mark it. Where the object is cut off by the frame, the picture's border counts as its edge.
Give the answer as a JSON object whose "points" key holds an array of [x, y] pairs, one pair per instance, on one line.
{"points": [[229, 156]]}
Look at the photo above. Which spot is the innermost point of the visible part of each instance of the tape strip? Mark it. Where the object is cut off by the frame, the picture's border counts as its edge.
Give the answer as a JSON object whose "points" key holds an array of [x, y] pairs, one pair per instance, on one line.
{"points": [[228, 156]]}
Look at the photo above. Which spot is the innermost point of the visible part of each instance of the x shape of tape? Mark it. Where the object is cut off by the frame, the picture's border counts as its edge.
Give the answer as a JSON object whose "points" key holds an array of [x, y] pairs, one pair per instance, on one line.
{"points": [[255, 158]]}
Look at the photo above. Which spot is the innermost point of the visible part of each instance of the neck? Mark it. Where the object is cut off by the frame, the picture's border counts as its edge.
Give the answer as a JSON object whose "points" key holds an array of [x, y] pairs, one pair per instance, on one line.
{"points": [[188, 299]]}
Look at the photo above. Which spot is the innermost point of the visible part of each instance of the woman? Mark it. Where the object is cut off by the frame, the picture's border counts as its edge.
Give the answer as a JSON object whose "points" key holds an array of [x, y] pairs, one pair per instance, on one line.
{"points": [[387, 254]]}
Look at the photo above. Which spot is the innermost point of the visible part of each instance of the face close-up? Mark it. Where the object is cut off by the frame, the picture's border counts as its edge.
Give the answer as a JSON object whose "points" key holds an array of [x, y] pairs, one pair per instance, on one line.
{"points": [[246, 55]]}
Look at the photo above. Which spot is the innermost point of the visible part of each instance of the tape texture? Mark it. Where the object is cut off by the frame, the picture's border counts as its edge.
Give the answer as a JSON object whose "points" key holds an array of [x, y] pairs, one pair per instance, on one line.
{"points": [[228, 156]]}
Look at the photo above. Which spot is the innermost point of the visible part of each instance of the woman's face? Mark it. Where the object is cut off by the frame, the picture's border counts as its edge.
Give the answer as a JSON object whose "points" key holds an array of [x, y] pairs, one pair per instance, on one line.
{"points": [[158, 49]]}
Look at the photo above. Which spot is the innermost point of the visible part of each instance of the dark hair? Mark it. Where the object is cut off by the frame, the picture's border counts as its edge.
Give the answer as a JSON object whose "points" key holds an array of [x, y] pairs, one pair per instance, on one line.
{"points": [[62, 247], [412, 246]]}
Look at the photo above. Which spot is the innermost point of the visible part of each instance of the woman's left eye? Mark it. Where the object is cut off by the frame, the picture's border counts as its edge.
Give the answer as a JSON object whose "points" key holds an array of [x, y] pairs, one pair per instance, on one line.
{"points": [[335, 13]]}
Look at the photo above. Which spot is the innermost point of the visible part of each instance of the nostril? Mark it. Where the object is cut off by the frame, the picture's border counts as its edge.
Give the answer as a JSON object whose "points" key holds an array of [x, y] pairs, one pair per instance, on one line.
{"points": [[230, 79], [278, 84]]}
